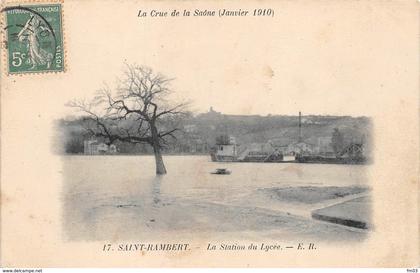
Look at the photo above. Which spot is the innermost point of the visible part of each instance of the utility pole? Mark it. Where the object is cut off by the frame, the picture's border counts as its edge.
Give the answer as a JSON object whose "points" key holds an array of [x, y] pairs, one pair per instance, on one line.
{"points": [[300, 127]]}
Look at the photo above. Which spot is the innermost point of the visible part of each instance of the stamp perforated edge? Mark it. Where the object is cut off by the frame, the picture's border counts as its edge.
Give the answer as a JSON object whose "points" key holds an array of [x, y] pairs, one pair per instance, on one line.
{"points": [[3, 36]]}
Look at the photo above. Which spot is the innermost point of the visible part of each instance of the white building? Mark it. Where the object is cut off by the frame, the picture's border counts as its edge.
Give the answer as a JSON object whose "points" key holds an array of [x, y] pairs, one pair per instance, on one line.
{"points": [[225, 149], [228, 150], [93, 147]]}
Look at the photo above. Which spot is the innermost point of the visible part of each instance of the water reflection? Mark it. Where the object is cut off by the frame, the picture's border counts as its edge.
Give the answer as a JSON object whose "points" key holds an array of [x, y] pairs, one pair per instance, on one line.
{"points": [[156, 195]]}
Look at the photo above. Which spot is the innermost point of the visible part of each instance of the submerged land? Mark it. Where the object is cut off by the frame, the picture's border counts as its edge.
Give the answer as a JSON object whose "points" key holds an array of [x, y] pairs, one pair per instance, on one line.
{"points": [[121, 198]]}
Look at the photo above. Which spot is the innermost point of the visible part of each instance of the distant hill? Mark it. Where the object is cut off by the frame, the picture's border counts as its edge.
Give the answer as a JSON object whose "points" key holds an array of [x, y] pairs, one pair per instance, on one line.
{"points": [[249, 129], [200, 131]]}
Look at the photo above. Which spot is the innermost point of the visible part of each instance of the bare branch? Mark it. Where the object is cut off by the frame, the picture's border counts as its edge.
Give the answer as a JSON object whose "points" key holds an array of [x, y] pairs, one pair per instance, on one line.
{"points": [[134, 111]]}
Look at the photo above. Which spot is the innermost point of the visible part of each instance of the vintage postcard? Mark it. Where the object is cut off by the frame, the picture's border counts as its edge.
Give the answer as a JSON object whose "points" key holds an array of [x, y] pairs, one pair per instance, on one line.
{"points": [[209, 133]]}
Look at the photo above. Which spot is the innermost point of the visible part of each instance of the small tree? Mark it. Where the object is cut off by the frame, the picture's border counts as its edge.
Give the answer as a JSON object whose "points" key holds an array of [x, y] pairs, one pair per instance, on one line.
{"points": [[137, 111]]}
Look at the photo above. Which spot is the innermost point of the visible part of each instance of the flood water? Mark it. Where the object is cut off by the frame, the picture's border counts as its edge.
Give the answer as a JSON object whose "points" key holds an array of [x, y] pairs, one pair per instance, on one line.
{"points": [[120, 196]]}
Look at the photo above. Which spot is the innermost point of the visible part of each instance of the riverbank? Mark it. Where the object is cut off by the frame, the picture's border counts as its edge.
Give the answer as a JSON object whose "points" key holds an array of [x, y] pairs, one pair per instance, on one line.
{"points": [[352, 213]]}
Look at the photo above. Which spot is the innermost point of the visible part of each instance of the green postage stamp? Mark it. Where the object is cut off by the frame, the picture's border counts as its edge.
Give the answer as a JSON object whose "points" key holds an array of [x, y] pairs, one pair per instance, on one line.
{"points": [[34, 38]]}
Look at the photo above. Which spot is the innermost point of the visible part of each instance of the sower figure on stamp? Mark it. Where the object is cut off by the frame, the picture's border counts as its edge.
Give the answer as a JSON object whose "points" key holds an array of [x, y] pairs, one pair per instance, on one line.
{"points": [[29, 33]]}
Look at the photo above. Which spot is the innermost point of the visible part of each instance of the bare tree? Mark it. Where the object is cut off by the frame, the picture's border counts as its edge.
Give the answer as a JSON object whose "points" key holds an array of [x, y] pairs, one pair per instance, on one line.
{"points": [[137, 111]]}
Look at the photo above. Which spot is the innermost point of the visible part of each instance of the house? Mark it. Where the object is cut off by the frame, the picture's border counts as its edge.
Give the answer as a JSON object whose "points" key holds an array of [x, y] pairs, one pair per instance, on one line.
{"points": [[225, 149], [94, 147]]}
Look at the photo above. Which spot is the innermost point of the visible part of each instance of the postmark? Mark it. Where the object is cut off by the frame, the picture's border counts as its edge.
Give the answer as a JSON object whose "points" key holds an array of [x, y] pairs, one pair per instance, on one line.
{"points": [[34, 38]]}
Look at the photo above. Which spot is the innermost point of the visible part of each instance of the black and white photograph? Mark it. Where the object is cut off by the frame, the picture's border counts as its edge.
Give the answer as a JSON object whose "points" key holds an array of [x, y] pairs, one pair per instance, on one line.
{"points": [[145, 164]]}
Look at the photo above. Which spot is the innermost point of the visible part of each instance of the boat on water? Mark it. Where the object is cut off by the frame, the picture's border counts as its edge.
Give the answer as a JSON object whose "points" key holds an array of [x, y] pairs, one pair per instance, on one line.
{"points": [[264, 152], [221, 171], [229, 151], [274, 151]]}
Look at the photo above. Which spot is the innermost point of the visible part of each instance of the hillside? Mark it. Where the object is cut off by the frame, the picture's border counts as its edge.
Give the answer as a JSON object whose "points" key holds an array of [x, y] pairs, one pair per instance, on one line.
{"points": [[200, 131]]}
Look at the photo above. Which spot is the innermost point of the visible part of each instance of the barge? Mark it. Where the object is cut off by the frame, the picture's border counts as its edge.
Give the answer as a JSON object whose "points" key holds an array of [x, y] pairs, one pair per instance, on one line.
{"points": [[229, 151]]}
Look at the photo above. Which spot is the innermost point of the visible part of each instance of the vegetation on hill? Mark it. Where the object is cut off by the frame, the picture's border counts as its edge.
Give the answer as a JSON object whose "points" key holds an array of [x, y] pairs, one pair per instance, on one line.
{"points": [[200, 131]]}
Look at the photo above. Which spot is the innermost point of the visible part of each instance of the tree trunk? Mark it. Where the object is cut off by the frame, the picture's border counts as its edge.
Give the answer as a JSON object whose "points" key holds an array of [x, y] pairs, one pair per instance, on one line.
{"points": [[160, 166]]}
